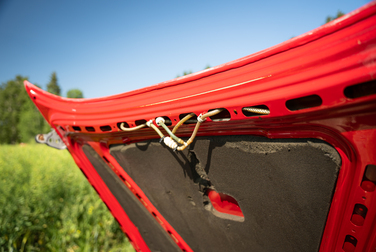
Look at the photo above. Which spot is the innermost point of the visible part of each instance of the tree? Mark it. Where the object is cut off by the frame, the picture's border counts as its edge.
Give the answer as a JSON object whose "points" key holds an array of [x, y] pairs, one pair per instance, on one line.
{"points": [[189, 72], [330, 18], [11, 100], [53, 86], [20, 120], [184, 73], [31, 122], [75, 93]]}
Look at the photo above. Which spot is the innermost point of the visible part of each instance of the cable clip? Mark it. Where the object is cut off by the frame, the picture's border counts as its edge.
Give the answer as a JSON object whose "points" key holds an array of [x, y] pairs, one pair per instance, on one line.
{"points": [[159, 120], [148, 123], [200, 120]]}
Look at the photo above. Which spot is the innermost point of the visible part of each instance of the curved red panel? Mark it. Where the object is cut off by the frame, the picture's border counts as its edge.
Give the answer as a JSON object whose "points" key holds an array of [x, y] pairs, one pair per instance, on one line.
{"points": [[318, 85]]}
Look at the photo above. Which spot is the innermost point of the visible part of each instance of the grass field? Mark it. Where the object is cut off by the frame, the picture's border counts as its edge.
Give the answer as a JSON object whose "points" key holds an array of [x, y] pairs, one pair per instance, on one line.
{"points": [[46, 204]]}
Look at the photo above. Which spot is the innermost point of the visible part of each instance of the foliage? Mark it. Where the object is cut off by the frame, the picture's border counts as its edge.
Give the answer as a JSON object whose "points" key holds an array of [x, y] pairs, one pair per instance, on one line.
{"points": [[53, 86], [19, 118], [75, 93], [47, 204], [31, 122], [10, 99], [189, 72], [184, 73], [330, 18]]}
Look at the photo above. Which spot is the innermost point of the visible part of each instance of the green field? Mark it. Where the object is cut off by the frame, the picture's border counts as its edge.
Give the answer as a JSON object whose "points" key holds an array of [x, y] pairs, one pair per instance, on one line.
{"points": [[46, 204]]}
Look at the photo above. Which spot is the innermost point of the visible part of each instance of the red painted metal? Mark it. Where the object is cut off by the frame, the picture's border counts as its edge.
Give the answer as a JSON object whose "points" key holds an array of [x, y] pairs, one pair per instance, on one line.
{"points": [[322, 62], [224, 203], [95, 180]]}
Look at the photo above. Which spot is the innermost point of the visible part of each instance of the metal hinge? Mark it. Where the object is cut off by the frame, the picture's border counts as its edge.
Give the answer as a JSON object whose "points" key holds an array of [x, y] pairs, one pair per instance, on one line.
{"points": [[52, 139]]}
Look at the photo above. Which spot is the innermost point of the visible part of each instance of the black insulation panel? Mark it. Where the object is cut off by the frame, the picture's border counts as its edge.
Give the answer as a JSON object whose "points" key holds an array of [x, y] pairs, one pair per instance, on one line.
{"points": [[154, 236], [284, 188]]}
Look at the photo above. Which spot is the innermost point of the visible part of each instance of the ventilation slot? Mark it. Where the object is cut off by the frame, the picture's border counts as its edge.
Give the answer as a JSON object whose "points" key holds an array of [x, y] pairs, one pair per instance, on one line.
{"points": [[126, 125], [224, 115], [192, 120], [105, 159], [369, 178], [359, 214], [76, 128], [304, 102], [139, 122], [258, 110], [168, 121], [157, 218], [173, 236], [350, 243], [105, 128], [90, 129], [360, 90]]}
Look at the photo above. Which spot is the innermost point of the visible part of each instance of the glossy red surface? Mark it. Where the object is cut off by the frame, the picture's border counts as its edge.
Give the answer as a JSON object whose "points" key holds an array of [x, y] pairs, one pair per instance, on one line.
{"points": [[224, 203], [322, 62]]}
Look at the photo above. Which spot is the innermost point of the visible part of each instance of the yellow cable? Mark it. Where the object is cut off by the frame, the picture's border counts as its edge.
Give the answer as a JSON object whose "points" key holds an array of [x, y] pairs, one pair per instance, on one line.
{"points": [[186, 118], [131, 129]]}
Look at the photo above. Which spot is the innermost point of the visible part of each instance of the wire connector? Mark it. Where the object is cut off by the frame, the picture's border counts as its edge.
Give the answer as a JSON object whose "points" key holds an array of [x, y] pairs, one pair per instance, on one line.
{"points": [[170, 142], [159, 120], [148, 123], [200, 120]]}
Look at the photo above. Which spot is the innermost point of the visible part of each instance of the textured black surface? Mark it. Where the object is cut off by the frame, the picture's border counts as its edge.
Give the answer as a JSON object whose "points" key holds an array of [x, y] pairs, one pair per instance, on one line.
{"points": [[284, 188], [155, 237]]}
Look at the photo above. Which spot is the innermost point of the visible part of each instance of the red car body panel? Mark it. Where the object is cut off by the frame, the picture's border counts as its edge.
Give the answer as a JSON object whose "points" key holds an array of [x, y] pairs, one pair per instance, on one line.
{"points": [[334, 64]]}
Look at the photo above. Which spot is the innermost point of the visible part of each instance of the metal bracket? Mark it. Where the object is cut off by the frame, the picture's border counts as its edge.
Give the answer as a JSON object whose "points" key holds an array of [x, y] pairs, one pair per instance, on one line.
{"points": [[52, 139]]}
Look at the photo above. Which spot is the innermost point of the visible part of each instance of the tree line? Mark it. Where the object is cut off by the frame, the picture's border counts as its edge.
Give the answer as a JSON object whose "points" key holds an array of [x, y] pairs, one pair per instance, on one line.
{"points": [[331, 18], [189, 72], [20, 119]]}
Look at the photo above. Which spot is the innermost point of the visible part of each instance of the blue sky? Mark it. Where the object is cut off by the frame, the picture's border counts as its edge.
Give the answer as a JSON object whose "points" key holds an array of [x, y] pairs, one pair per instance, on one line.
{"points": [[110, 47]]}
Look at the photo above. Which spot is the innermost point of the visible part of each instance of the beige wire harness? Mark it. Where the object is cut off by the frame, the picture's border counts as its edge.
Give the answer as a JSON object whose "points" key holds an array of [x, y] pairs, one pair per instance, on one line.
{"points": [[168, 141], [173, 141], [131, 129]]}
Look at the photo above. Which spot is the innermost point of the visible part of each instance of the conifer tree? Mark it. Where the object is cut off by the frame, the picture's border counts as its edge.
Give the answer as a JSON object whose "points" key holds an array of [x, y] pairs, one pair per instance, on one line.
{"points": [[20, 120], [53, 86]]}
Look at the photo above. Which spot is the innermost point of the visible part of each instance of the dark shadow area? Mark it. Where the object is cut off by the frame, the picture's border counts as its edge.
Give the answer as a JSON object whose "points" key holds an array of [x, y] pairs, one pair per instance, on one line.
{"points": [[143, 146], [304, 102], [360, 90]]}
